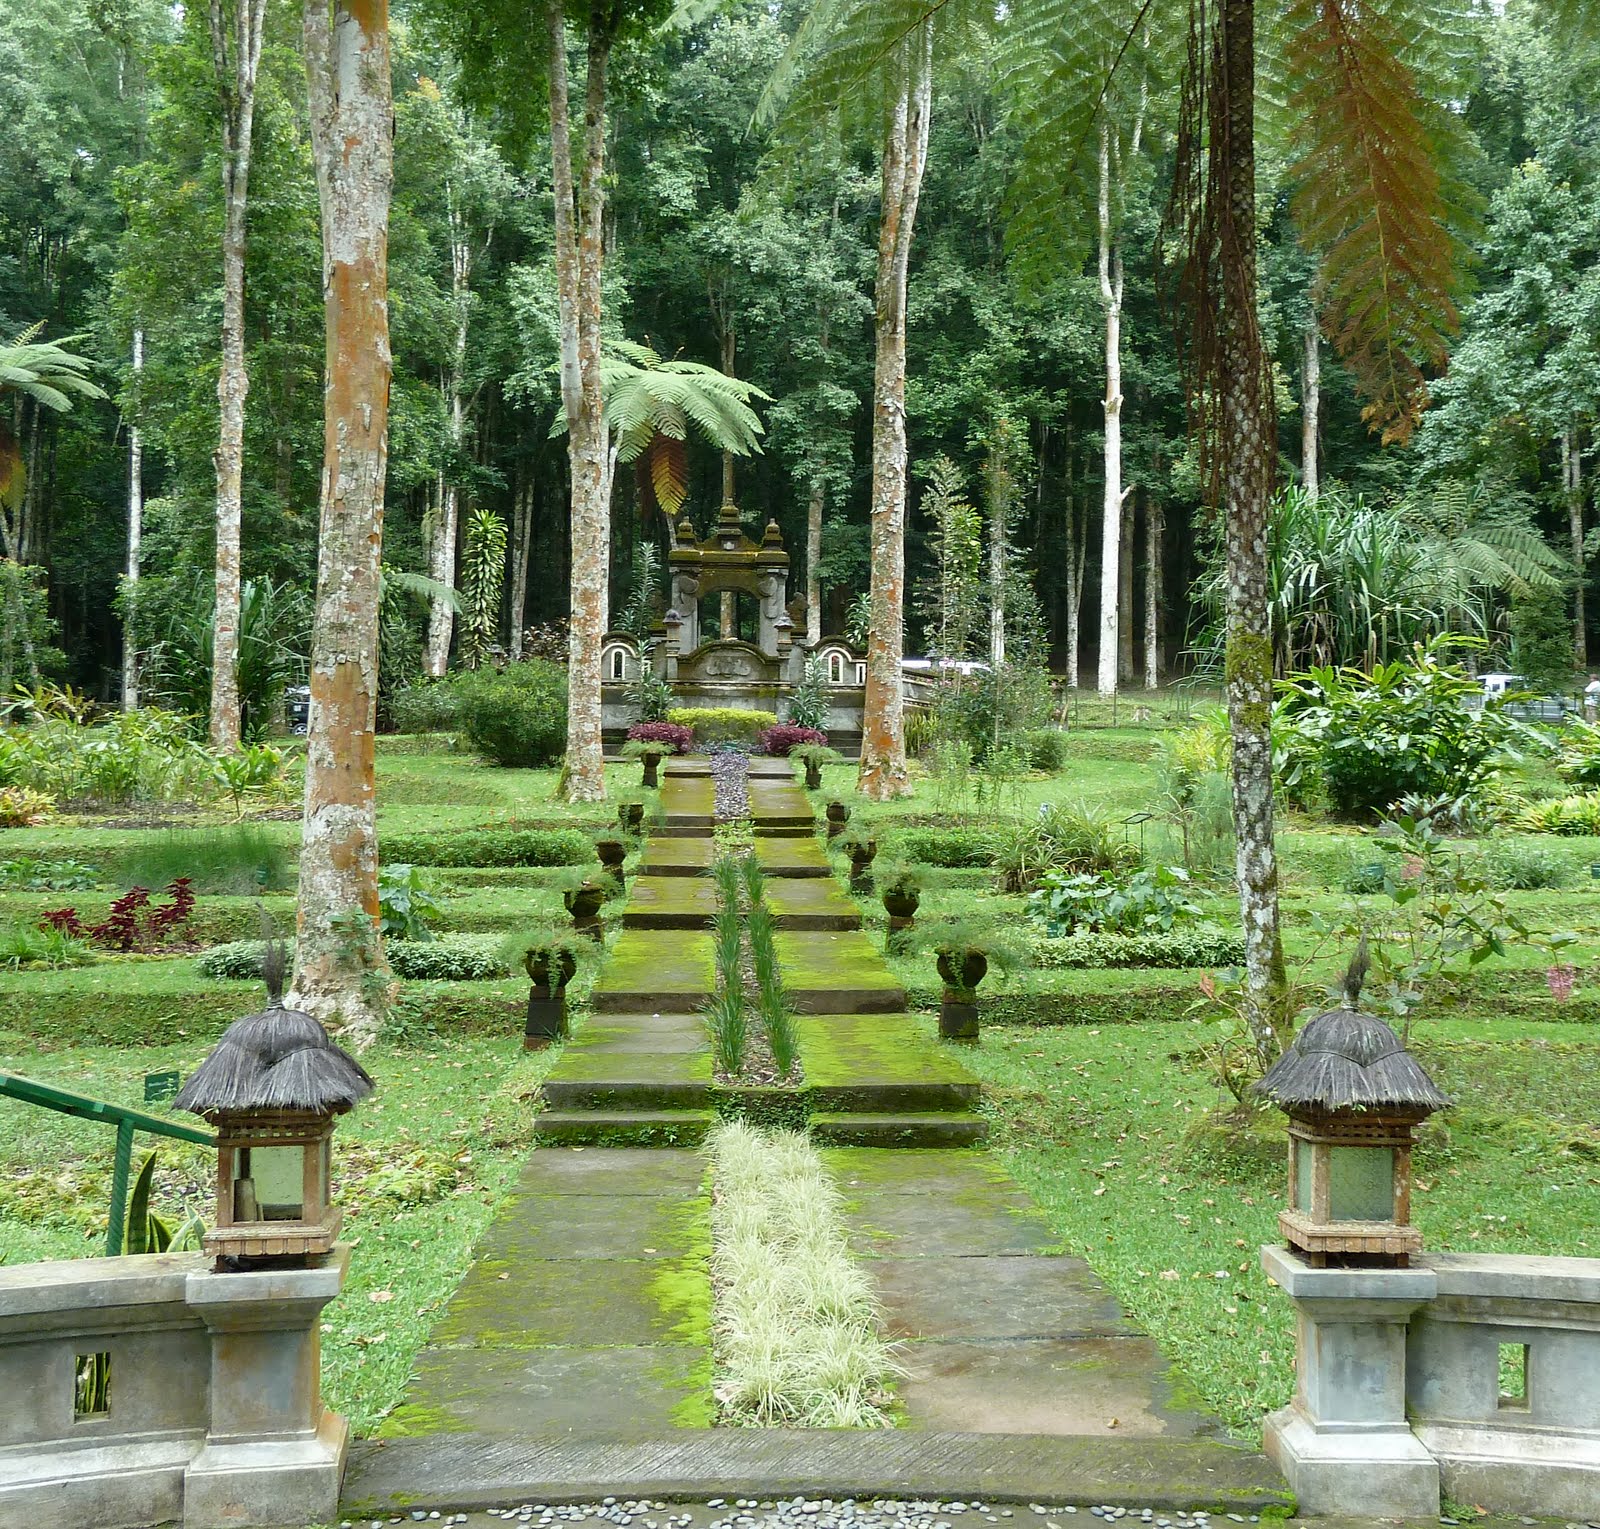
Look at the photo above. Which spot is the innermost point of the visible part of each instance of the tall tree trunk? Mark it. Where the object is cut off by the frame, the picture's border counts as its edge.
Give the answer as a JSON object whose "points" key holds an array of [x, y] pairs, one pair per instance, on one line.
{"points": [[1110, 263], [1246, 453], [905, 152], [580, 252], [447, 526], [130, 586], [521, 539], [1572, 481], [1125, 669], [814, 507], [341, 975], [235, 56], [1310, 408], [1154, 519], [997, 587]]}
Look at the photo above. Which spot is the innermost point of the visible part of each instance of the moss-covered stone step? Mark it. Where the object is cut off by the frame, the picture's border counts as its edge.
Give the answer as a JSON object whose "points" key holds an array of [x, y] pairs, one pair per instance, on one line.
{"points": [[623, 1128], [688, 765], [948, 1128], [689, 801], [779, 804], [678, 855], [785, 856], [656, 971], [669, 902], [836, 973], [880, 1064], [624, 1080], [810, 903]]}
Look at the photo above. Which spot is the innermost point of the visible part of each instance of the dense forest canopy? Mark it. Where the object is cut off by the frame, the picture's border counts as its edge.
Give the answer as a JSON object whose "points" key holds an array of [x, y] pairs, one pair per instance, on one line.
{"points": [[735, 242]]}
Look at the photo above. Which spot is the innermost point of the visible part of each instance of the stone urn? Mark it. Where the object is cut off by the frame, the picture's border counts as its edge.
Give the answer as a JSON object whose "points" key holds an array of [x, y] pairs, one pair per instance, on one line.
{"points": [[901, 904], [631, 816], [651, 760], [611, 854], [583, 903], [813, 774], [861, 853], [838, 816], [962, 971], [549, 970]]}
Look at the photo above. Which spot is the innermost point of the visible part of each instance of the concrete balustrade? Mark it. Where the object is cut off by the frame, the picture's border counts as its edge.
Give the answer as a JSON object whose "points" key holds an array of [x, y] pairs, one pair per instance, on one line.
{"points": [[212, 1411]]}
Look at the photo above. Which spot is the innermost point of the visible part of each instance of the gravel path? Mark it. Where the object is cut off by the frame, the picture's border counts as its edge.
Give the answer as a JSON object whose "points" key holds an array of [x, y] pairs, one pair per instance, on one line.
{"points": [[730, 771]]}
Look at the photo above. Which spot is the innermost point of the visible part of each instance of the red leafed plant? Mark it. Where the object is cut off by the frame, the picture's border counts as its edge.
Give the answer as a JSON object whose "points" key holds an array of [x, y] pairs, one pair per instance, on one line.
{"points": [[785, 736], [673, 734], [123, 928]]}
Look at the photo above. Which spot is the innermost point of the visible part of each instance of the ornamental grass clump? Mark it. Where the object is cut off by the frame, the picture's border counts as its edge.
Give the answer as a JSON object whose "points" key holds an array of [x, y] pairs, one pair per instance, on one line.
{"points": [[795, 1319]]}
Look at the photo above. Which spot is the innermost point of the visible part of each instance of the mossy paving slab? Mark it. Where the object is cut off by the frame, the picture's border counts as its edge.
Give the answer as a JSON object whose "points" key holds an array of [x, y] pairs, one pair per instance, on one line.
{"points": [[1081, 1386], [630, 1079], [836, 973], [679, 856], [1002, 1297], [620, 1171], [652, 970], [947, 1175], [779, 803], [791, 857], [457, 1470], [810, 903], [670, 902], [845, 1052], [644, 1034], [688, 800], [565, 1392], [901, 1226], [562, 1228]]}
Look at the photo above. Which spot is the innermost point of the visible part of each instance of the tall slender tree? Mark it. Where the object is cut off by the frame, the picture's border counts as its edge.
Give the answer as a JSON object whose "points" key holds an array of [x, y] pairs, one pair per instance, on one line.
{"points": [[236, 30], [341, 975]]}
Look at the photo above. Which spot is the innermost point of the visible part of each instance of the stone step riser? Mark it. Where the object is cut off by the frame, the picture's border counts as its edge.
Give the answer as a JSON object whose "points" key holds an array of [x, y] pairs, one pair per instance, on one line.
{"points": [[838, 1001], [867, 1099], [786, 873], [647, 1003], [820, 923], [662, 1128], [658, 920], [618, 1098], [889, 1131]]}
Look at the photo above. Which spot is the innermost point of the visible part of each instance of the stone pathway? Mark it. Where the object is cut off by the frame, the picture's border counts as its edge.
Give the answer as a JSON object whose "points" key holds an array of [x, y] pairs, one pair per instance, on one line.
{"points": [[574, 1359]]}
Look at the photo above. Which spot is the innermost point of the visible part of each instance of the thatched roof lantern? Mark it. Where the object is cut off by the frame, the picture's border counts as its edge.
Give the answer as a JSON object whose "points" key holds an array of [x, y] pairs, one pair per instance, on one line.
{"points": [[272, 1086], [1354, 1097]]}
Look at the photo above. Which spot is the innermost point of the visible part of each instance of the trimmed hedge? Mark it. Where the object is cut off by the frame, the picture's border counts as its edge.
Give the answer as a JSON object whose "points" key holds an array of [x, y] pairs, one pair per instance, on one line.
{"points": [[1206, 945], [952, 848], [723, 724], [449, 958], [487, 847]]}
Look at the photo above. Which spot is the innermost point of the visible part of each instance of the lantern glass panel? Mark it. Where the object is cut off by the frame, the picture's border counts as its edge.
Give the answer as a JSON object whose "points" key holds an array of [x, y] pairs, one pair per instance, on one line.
{"points": [[1361, 1183], [1303, 1156], [279, 1174]]}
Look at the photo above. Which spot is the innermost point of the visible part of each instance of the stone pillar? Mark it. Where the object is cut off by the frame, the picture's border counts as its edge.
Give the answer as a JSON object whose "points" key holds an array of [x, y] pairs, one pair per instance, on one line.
{"points": [[1343, 1444], [671, 645], [273, 1454]]}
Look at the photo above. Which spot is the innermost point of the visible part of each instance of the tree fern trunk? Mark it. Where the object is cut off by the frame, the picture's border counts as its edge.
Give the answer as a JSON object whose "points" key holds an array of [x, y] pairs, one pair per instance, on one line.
{"points": [[1310, 408]]}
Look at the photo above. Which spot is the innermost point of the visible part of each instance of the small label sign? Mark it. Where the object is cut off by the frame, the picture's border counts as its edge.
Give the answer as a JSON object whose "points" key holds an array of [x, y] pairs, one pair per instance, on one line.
{"points": [[160, 1087]]}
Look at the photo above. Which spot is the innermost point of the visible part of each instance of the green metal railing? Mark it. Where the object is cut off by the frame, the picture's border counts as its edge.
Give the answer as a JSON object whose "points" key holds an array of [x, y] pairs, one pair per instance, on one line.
{"points": [[126, 1120]]}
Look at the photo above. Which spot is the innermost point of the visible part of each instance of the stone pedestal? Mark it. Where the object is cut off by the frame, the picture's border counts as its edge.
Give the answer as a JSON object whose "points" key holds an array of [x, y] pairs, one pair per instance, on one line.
{"points": [[1344, 1444], [273, 1454]]}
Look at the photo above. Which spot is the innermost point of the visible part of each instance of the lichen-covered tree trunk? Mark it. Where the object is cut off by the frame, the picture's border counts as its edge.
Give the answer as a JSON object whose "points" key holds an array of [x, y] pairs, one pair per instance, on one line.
{"points": [[236, 56], [905, 152], [341, 976], [1154, 525], [1572, 481], [1110, 270], [447, 526], [1246, 449], [1310, 408], [580, 254], [814, 507], [521, 540], [130, 585]]}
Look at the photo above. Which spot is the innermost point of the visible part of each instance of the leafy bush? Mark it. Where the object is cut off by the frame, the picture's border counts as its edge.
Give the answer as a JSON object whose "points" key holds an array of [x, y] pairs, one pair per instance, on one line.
{"points": [[1047, 749], [785, 736], [1365, 740], [516, 716], [426, 706], [678, 739], [488, 846], [651, 696], [808, 701], [238, 860], [134, 922], [405, 905], [1571, 815], [722, 724], [1059, 837], [1512, 867], [22, 807], [48, 947], [993, 705], [449, 958], [1198, 945], [28, 875], [1578, 756], [1156, 898], [952, 848]]}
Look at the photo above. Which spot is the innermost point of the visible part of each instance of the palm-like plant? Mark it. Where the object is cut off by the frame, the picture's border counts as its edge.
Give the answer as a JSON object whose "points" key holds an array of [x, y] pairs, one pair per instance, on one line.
{"points": [[652, 404], [52, 376]]}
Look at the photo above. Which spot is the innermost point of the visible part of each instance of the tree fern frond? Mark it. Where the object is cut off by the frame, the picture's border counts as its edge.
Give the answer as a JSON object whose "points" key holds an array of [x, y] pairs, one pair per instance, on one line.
{"points": [[1370, 204], [669, 474]]}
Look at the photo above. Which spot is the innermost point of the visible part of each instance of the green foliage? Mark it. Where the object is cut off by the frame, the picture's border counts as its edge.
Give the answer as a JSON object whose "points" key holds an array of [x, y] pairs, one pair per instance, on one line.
{"points": [[255, 767], [951, 600], [1569, 815], [488, 847], [237, 860], [1541, 640], [516, 716], [22, 806], [956, 848], [1156, 898], [1061, 837], [1365, 740], [1196, 945], [722, 724], [650, 695], [406, 906], [989, 709], [426, 706], [808, 701], [29, 875], [643, 607], [1046, 749], [24, 947], [1508, 866], [482, 580], [1578, 753], [441, 958]]}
